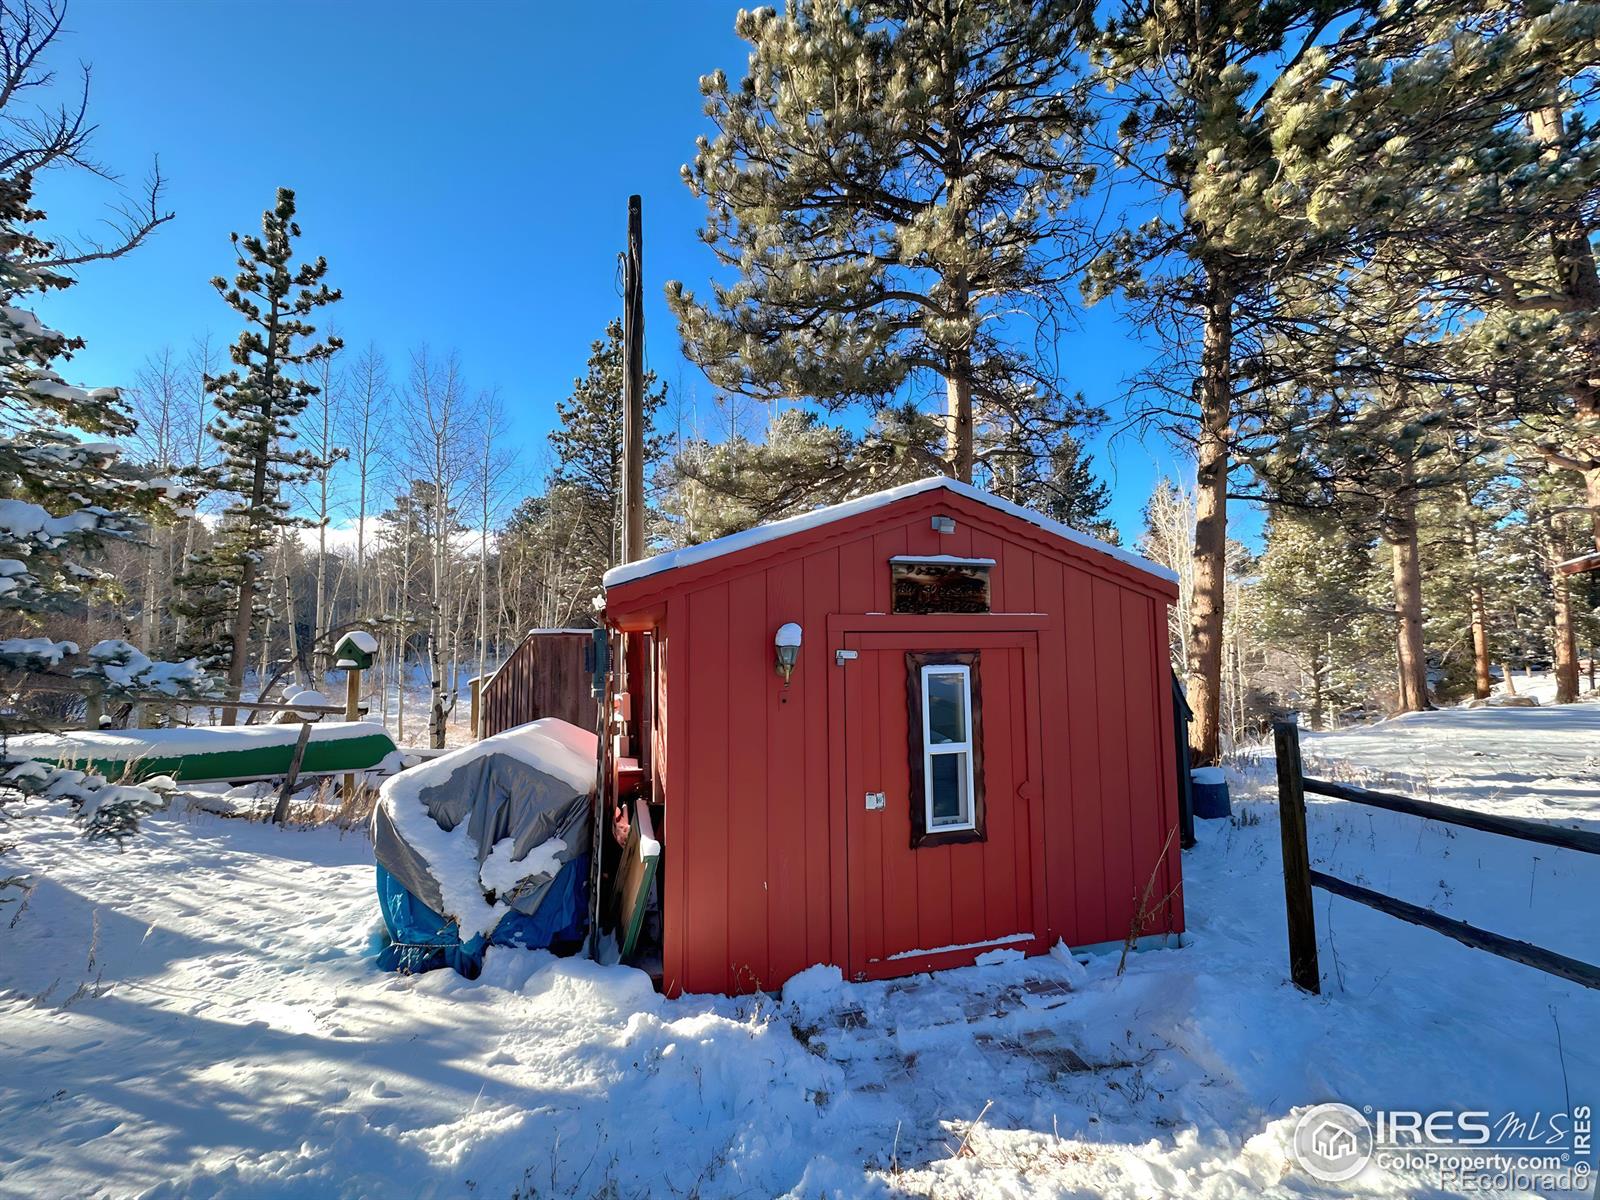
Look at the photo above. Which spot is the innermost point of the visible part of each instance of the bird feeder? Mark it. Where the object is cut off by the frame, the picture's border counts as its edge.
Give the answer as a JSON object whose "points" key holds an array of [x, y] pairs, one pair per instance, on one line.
{"points": [[354, 653]]}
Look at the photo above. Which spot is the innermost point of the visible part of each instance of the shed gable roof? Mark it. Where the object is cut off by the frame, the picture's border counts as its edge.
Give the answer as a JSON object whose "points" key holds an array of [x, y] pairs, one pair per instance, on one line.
{"points": [[771, 532]]}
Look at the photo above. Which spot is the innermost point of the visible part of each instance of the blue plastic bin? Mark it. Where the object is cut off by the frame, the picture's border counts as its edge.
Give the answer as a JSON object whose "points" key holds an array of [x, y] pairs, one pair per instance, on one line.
{"points": [[1210, 793]]}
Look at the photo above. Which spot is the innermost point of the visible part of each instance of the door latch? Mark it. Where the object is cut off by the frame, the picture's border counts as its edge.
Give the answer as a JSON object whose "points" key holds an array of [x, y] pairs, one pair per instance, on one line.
{"points": [[875, 802], [840, 657]]}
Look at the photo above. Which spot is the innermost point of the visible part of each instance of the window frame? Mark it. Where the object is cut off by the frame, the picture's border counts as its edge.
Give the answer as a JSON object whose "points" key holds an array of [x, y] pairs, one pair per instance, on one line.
{"points": [[920, 666]]}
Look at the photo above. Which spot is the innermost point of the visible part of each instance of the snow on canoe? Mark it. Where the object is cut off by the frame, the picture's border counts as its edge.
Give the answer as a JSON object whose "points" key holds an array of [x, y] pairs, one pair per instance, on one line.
{"points": [[238, 752]]}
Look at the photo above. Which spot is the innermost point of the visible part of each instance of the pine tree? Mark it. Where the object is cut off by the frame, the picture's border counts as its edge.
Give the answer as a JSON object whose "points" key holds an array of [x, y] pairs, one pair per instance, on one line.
{"points": [[1372, 459], [1058, 480], [1551, 505], [1312, 599], [1191, 89], [206, 593], [588, 445], [1571, 147], [65, 497], [1530, 265], [1394, 395], [61, 495], [801, 462], [1294, 137], [894, 181], [1453, 593], [258, 404]]}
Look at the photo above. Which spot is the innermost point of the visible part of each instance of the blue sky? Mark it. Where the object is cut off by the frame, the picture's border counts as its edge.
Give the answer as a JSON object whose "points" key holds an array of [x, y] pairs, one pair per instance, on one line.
{"points": [[464, 168]]}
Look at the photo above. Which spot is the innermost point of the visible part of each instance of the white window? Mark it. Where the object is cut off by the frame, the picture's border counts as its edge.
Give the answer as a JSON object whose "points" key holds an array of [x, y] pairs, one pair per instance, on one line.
{"points": [[947, 747]]}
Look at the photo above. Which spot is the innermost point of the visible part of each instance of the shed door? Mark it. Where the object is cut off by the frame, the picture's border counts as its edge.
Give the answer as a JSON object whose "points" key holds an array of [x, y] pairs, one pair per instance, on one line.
{"points": [[943, 819]]}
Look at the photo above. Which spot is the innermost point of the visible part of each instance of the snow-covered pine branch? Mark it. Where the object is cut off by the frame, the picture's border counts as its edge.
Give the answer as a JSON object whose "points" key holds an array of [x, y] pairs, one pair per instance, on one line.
{"points": [[64, 489]]}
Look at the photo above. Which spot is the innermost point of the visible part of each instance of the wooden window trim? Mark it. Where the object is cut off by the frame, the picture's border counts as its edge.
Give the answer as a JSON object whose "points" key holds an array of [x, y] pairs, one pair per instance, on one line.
{"points": [[920, 835]]}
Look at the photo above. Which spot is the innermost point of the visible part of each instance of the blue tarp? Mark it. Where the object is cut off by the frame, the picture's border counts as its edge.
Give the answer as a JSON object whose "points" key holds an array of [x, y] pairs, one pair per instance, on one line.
{"points": [[423, 940]]}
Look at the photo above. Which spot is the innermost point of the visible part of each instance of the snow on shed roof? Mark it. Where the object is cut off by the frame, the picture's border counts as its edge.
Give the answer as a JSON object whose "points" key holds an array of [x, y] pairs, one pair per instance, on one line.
{"points": [[774, 530]]}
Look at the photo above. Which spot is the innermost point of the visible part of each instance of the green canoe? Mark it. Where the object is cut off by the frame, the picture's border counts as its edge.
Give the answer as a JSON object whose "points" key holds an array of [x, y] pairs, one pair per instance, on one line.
{"points": [[235, 753]]}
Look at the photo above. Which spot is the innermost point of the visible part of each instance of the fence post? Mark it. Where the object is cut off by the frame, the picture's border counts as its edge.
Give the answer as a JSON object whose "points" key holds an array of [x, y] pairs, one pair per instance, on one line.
{"points": [[1303, 968], [280, 814]]}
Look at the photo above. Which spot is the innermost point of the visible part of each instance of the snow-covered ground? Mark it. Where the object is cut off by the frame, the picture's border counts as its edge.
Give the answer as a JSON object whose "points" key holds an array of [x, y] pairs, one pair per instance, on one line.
{"points": [[199, 1017], [384, 706]]}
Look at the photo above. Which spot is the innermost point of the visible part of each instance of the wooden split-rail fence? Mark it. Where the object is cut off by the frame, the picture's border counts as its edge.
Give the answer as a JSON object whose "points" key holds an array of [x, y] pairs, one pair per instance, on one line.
{"points": [[1299, 877]]}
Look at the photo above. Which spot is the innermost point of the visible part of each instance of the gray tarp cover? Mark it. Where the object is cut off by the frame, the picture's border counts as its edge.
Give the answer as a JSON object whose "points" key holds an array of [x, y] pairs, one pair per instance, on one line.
{"points": [[499, 796]]}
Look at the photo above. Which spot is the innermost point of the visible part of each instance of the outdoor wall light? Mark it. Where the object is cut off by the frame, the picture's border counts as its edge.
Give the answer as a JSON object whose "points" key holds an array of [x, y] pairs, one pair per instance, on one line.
{"points": [[787, 643]]}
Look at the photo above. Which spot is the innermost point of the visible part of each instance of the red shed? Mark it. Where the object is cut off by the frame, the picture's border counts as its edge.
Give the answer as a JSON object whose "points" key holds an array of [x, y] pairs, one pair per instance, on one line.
{"points": [[972, 751]]}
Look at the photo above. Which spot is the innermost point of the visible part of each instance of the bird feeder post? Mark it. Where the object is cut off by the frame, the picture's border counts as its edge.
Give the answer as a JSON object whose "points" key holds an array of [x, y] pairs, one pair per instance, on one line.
{"points": [[352, 712], [354, 653]]}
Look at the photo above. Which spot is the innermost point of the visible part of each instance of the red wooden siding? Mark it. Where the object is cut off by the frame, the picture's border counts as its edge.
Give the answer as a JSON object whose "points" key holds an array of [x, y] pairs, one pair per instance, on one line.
{"points": [[756, 784]]}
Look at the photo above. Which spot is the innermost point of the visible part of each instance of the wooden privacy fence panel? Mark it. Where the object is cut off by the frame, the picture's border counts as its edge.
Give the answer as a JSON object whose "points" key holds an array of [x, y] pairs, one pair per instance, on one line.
{"points": [[1299, 878], [548, 675]]}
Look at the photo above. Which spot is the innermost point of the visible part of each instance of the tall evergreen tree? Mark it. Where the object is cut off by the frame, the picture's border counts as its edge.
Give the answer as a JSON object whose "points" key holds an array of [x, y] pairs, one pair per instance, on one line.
{"points": [[1191, 89], [1312, 598], [1383, 421], [1551, 502], [798, 463], [1292, 136], [258, 404], [894, 181], [1457, 138], [1059, 481], [588, 445], [60, 495], [1543, 263], [1372, 458]]}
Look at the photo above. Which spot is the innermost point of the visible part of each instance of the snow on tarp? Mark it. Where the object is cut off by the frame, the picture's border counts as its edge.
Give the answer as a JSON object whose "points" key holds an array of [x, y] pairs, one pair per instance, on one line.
{"points": [[484, 830], [503, 870], [850, 508]]}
